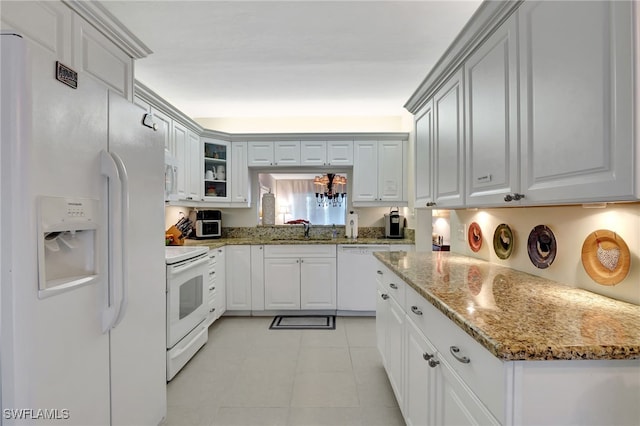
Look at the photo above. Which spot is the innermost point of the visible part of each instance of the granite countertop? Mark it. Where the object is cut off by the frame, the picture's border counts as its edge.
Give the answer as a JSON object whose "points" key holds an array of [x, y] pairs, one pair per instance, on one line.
{"points": [[518, 316], [215, 243]]}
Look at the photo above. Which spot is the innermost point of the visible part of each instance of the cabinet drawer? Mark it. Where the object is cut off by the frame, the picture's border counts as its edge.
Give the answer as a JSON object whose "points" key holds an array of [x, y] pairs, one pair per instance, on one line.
{"points": [[294, 250], [483, 367], [393, 286]]}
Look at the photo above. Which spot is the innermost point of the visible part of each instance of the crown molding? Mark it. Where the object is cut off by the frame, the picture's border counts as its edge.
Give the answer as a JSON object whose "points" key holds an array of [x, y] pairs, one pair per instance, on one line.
{"points": [[145, 93], [98, 16]]}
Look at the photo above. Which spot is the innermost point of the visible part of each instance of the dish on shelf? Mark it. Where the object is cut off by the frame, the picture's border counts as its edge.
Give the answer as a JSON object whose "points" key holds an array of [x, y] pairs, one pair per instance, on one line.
{"points": [[542, 246], [474, 236], [606, 257], [503, 241]]}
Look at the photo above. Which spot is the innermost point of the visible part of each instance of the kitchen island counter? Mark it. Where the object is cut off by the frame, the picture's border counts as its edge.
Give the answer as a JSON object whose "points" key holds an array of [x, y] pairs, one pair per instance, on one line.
{"points": [[518, 316]]}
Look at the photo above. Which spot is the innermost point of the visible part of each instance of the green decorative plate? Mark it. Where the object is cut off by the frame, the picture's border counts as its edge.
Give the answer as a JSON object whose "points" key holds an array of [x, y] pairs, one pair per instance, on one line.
{"points": [[503, 241]]}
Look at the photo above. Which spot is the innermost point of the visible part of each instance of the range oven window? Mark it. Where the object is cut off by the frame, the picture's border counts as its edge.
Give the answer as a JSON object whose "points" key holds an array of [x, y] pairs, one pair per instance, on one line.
{"points": [[191, 296]]}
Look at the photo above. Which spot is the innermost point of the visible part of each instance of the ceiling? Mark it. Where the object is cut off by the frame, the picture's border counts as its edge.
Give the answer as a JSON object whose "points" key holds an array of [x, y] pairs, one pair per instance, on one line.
{"points": [[290, 58]]}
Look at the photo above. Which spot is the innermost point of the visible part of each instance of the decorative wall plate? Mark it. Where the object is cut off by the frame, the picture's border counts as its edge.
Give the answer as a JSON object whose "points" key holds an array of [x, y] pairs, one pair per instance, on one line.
{"points": [[474, 236], [606, 257], [541, 246], [503, 241]]}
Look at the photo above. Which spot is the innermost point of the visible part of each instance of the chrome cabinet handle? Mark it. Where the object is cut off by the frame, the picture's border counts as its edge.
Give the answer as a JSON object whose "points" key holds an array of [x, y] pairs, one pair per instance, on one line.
{"points": [[427, 356], [454, 351], [393, 286], [433, 363], [379, 272], [211, 310], [513, 197], [431, 204], [384, 296], [415, 310]]}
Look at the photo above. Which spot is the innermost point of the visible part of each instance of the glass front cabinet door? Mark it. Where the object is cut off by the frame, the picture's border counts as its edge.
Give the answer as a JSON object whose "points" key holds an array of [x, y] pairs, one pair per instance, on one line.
{"points": [[216, 170]]}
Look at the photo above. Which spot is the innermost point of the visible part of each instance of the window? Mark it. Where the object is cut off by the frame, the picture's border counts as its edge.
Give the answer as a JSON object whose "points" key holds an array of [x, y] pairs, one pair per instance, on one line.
{"points": [[296, 199]]}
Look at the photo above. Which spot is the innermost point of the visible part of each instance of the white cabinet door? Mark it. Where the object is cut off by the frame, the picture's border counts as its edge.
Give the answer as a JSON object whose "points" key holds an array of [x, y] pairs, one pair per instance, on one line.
{"points": [[394, 347], [420, 382], [448, 137], [282, 283], [390, 171], [340, 153], [179, 133], [163, 121], [313, 153], [214, 177], [382, 309], [260, 154], [286, 153], [423, 156], [491, 95], [457, 405], [365, 171], [238, 274], [576, 86], [221, 279], [318, 283], [194, 171], [240, 186]]}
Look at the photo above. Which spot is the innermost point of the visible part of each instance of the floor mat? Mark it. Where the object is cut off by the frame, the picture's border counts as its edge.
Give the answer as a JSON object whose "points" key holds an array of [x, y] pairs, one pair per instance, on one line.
{"points": [[303, 322]]}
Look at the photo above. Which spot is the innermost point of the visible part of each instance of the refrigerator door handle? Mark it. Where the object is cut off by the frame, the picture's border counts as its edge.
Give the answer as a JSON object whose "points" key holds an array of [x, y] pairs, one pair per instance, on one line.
{"points": [[109, 169], [113, 168], [124, 231]]}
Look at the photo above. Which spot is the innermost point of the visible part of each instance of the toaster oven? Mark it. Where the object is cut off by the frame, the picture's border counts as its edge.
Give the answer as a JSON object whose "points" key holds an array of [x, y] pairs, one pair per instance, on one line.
{"points": [[208, 224]]}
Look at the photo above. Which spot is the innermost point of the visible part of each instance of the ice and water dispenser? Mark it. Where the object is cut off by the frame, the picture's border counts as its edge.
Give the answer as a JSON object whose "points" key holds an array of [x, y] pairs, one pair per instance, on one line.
{"points": [[67, 244]]}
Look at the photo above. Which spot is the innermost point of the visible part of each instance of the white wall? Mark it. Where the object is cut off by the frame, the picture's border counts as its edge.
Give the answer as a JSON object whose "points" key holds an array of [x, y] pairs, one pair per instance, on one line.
{"points": [[570, 225], [307, 124]]}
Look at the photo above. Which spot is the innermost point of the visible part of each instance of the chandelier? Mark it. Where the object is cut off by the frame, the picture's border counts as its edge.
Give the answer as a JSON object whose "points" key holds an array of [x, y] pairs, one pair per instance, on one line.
{"points": [[331, 189]]}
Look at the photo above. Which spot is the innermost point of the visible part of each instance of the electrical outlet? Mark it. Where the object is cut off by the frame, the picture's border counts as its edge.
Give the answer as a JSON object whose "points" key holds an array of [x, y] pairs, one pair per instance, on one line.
{"points": [[461, 231]]}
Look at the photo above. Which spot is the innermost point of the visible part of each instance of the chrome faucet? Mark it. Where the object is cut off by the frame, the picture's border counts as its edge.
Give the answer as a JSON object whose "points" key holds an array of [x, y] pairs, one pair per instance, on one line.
{"points": [[307, 227]]}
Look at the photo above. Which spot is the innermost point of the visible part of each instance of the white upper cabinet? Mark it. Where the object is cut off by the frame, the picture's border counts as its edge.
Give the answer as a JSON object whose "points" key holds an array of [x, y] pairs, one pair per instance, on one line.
{"points": [[448, 139], [339, 153], [576, 85], [240, 186], [491, 94], [286, 153], [194, 171], [423, 154], [215, 160], [260, 154], [163, 122], [378, 172], [326, 153], [179, 136]]}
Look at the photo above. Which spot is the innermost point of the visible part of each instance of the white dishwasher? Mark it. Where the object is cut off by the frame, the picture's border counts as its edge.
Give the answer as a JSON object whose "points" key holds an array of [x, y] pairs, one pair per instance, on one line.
{"points": [[357, 278]]}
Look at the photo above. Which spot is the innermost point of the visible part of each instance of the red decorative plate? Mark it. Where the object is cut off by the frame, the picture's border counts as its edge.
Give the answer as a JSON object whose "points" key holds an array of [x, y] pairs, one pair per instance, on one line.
{"points": [[474, 236]]}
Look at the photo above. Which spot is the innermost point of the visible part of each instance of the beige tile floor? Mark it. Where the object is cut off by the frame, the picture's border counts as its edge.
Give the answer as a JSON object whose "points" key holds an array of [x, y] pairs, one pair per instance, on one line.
{"points": [[249, 375]]}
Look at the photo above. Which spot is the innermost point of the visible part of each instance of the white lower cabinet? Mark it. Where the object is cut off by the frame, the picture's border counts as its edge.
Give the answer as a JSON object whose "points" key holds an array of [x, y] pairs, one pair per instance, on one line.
{"points": [[238, 277], [300, 277], [444, 377]]}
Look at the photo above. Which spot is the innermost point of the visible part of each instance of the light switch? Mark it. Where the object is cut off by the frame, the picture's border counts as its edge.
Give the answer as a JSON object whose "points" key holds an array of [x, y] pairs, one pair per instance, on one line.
{"points": [[460, 231]]}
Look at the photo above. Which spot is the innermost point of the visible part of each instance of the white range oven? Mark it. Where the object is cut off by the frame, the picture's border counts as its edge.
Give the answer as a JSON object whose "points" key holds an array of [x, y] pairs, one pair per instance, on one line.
{"points": [[187, 289]]}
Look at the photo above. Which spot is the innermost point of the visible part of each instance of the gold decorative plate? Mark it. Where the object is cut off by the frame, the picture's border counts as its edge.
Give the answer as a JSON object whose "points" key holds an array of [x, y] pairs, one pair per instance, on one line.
{"points": [[606, 257]]}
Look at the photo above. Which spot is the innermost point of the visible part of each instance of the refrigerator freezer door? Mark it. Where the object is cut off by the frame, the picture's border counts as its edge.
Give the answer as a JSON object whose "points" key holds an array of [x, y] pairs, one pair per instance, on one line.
{"points": [[138, 342], [54, 354]]}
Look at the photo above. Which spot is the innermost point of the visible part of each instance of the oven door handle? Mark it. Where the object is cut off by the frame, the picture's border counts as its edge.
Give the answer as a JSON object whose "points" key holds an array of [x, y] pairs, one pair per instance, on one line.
{"points": [[174, 270]]}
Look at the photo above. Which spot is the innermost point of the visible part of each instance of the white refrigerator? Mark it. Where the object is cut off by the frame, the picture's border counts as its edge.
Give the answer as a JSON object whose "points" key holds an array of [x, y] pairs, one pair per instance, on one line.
{"points": [[82, 296]]}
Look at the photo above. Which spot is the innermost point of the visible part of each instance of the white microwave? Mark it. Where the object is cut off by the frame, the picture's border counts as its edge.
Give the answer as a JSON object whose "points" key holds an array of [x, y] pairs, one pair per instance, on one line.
{"points": [[170, 177]]}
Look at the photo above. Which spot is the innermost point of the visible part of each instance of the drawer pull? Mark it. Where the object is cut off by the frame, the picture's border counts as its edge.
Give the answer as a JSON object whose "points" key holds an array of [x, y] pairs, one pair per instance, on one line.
{"points": [[212, 310], [454, 351], [393, 286], [379, 272], [427, 356], [415, 310], [384, 296], [433, 363], [212, 288]]}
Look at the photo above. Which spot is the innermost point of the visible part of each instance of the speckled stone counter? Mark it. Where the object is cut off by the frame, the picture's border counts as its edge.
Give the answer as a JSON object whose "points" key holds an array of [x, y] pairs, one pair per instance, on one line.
{"points": [[518, 316], [215, 243]]}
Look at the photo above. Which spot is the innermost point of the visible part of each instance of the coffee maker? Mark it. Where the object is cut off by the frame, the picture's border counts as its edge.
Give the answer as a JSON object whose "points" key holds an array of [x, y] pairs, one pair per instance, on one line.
{"points": [[394, 224]]}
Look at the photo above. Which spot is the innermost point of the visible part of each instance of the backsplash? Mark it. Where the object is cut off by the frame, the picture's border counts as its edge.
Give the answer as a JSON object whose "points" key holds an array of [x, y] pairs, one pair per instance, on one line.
{"points": [[571, 225], [297, 231]]}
